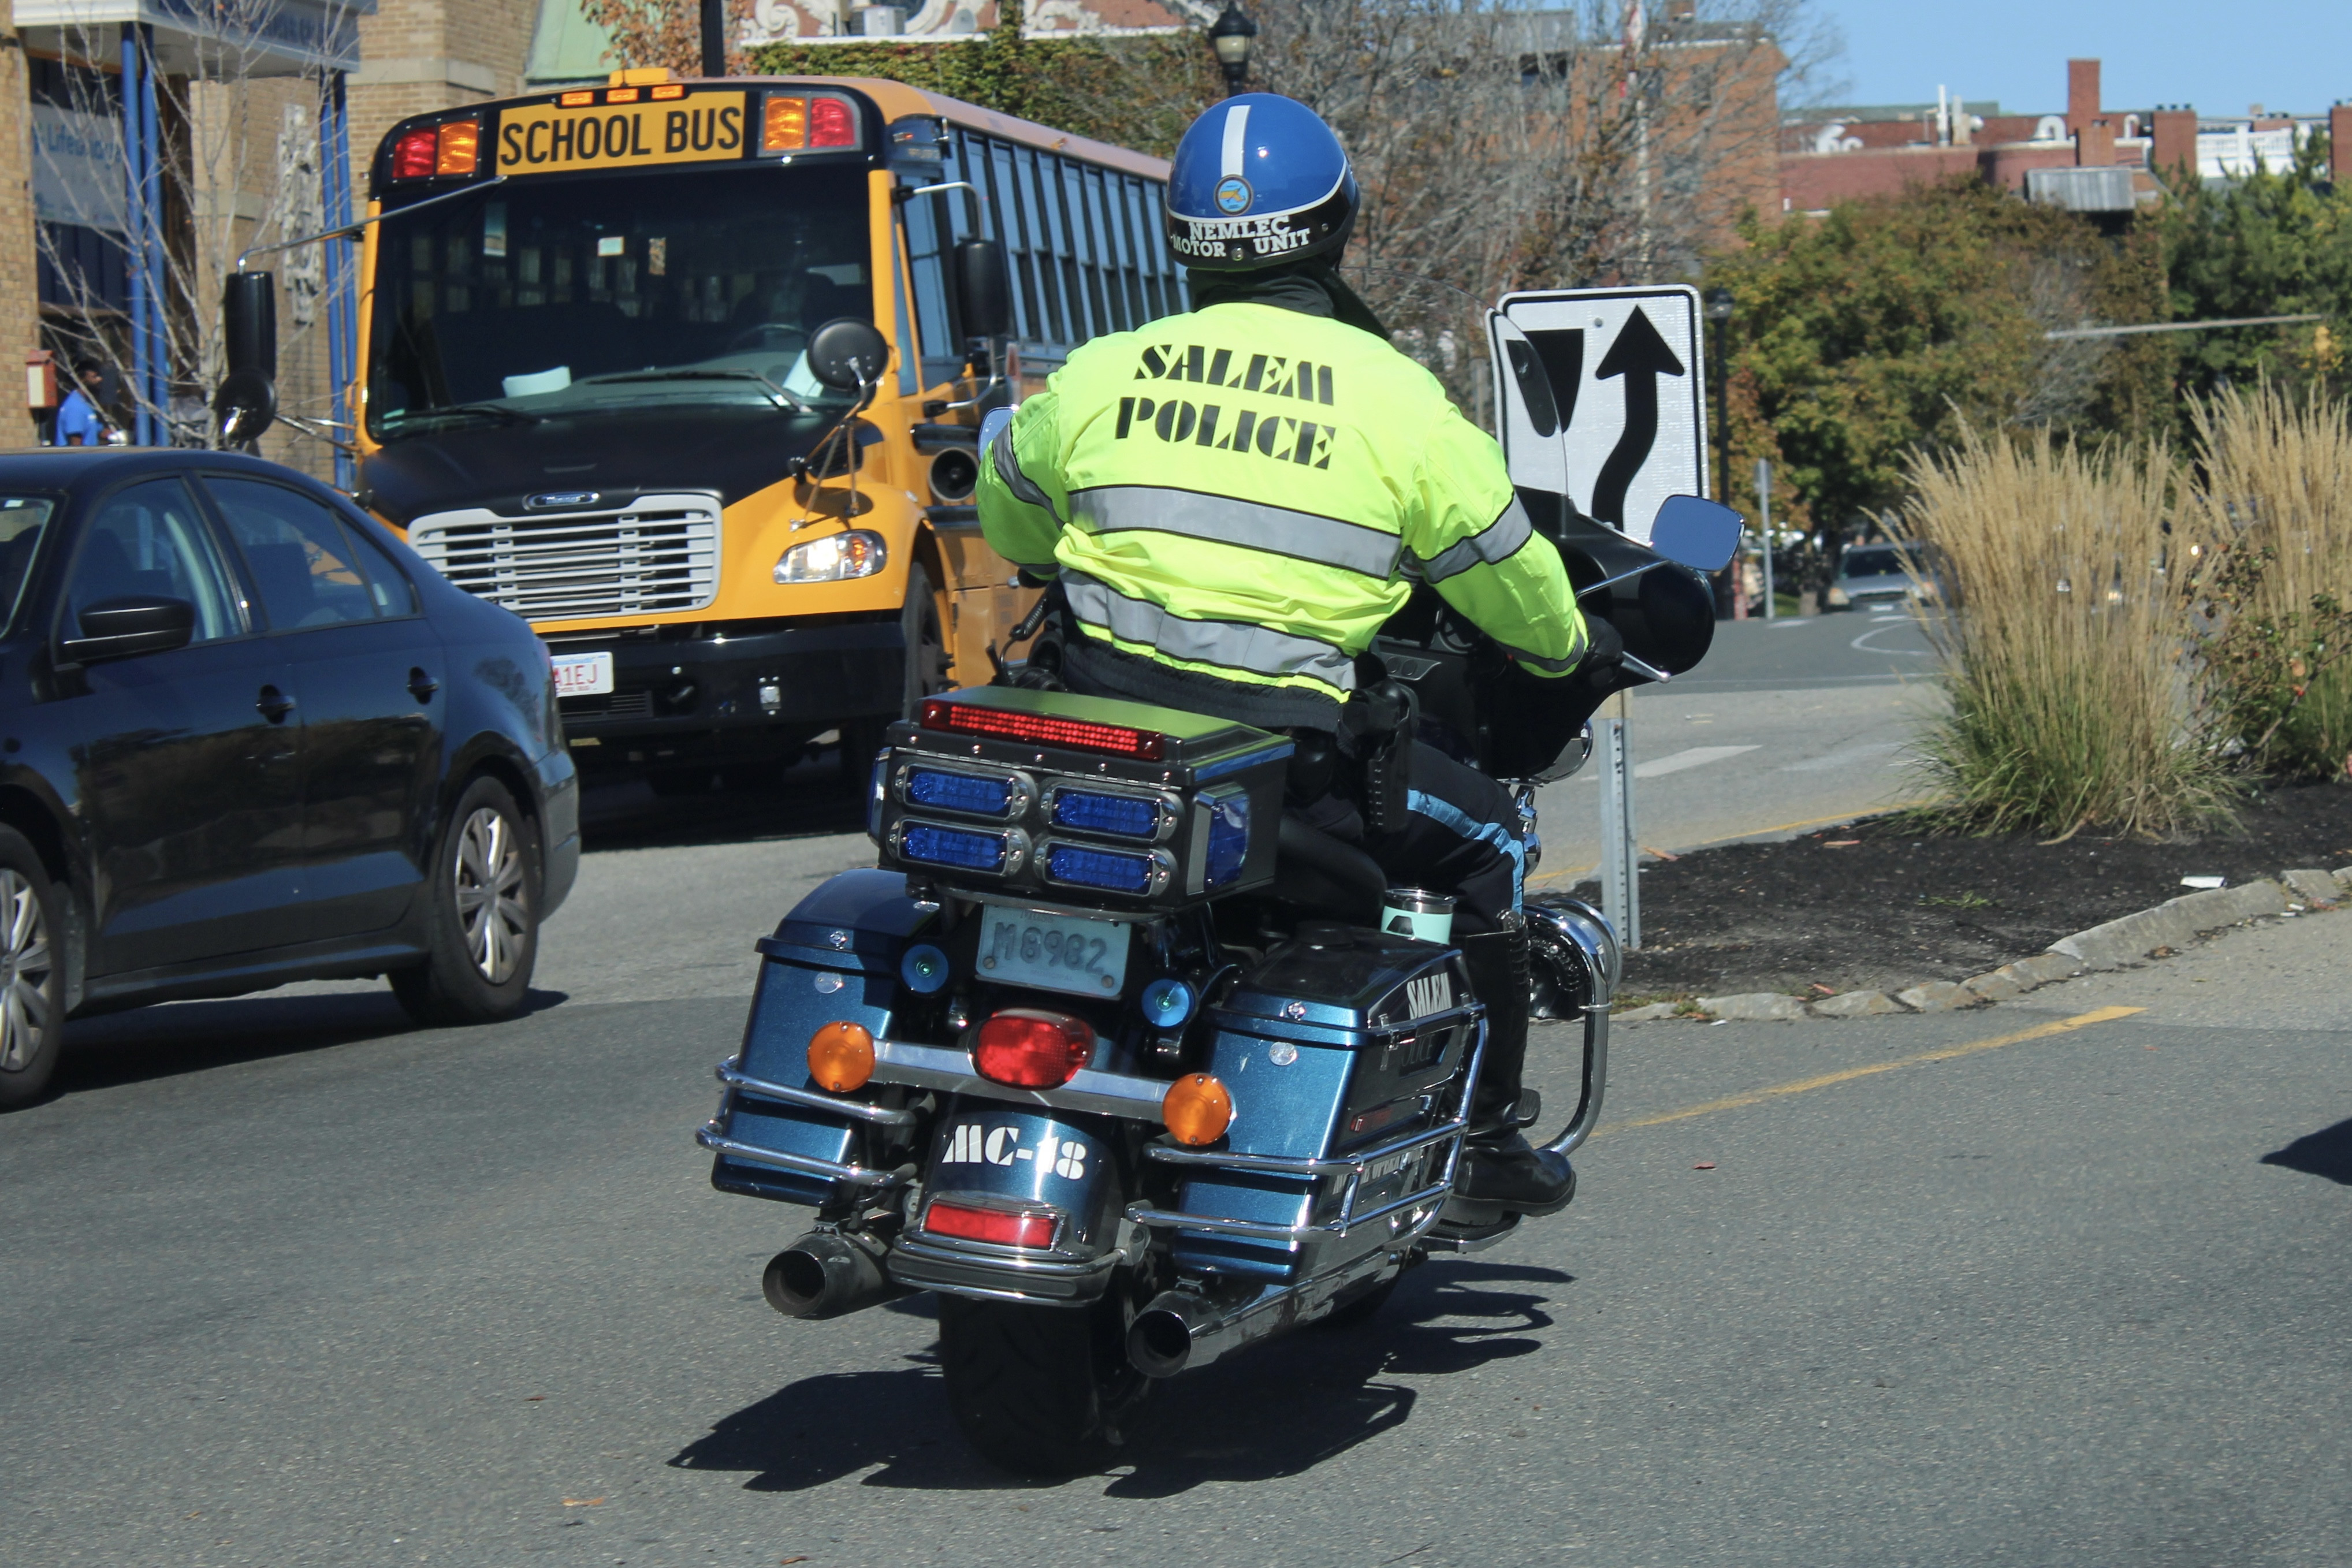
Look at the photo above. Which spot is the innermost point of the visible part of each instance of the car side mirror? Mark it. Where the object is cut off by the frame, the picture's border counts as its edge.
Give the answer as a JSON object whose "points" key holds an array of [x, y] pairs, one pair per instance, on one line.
{"points": [[1697, 533], [847, 354], [247, 400], [984, 293], [124, 628]]}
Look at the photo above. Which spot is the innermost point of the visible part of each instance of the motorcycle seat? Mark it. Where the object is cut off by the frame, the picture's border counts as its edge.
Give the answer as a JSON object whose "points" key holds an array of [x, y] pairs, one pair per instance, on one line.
{"points": [[1327, 876]]}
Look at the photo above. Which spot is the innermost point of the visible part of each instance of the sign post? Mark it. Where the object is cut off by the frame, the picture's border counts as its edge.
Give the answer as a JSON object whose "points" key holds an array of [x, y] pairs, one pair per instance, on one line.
{"points": [[1764, 506], [1601, 400]]}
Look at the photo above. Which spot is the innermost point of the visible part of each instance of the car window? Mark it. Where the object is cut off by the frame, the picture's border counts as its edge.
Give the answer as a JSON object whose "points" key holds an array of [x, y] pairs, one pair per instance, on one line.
{"points": [[24, 520], [308, 572], [149, 542], [1878, 563], [395, 593]]}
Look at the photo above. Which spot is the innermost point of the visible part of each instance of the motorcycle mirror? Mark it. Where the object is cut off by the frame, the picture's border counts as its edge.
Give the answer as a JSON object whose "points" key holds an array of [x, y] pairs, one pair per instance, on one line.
{"points": [[246, 405], [1696, 533], [991, 427], [847, 354]]}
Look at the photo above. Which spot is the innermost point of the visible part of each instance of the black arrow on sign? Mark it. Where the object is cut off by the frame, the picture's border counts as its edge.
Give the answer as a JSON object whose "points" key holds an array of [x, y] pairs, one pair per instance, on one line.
{"points": [[1640, 356]]}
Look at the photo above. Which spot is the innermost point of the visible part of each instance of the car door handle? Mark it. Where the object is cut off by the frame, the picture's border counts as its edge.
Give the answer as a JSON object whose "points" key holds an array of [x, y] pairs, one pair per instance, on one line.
{"points": [[273, 705], [421, 685]]}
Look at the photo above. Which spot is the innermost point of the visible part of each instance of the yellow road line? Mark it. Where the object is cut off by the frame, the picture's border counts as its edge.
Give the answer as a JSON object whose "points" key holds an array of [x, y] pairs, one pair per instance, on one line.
{"points": [[1805, 1085]]}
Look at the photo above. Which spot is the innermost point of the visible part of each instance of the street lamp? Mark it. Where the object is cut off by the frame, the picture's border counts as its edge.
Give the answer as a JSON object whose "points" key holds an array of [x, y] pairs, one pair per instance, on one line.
{"points": [[1231, 35]]}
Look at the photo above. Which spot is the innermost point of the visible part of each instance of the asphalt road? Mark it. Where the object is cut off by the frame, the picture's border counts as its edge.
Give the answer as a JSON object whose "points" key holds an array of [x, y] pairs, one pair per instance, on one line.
{"points": [[286, 1283]]}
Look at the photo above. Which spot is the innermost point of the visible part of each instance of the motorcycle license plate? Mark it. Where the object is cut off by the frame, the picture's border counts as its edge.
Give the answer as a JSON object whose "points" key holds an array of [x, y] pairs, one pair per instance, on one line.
{"points": [[583, 675], [1052, 952]]}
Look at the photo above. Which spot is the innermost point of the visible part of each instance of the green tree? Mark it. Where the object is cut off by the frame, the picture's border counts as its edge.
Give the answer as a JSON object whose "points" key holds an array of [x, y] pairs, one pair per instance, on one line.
{"points": [[1879, 329], [2274, 243]]}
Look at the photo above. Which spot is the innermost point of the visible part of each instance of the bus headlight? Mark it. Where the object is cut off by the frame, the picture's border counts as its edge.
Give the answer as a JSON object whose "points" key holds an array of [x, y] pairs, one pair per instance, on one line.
{"points": [[836, 557]]}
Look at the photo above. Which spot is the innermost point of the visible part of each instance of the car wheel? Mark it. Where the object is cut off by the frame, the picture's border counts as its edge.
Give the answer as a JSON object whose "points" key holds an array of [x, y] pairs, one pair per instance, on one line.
{"points": [[482, 931], [32, 977]]}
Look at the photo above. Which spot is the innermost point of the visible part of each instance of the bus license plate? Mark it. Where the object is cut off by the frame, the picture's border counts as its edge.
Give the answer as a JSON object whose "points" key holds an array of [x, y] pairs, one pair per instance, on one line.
{"points": [[1055, 952], [583, 675]]}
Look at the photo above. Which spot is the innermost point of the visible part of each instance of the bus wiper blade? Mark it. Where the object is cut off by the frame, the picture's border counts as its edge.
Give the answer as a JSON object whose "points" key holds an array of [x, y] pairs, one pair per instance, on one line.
{"points": [[788, 400], [490, 411]]}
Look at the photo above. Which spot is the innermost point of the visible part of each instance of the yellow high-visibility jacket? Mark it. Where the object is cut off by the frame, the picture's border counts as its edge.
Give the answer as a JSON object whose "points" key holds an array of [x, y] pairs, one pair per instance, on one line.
{"points": [[1247, 492]]}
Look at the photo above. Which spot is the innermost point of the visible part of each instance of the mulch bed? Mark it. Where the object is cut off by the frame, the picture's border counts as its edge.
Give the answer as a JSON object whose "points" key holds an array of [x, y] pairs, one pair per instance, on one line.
{"points": [[1877, 906]]}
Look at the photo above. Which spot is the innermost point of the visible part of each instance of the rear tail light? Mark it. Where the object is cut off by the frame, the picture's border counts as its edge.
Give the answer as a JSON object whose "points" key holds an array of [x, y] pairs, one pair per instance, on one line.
{"points": [[1008, 724], [1030, 1049], [1004, 1227]]}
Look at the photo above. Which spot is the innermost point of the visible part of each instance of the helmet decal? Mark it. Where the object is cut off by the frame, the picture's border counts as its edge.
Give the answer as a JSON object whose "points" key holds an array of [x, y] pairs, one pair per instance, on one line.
{"points": [[1258, 181]]}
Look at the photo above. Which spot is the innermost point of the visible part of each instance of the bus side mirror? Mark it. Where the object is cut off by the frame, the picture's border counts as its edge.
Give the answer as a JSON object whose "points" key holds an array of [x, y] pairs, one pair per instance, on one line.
{"points": [[246, 402], [847, 354], [983, 295]]}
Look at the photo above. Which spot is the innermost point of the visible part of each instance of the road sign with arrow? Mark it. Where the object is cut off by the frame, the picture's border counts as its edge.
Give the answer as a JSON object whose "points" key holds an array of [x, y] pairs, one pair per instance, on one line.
{"points": [[1603, 399]]}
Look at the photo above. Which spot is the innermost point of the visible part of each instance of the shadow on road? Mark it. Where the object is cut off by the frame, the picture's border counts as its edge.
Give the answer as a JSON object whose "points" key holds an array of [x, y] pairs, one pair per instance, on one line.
{"points": [[175, 1037], [722, 807], [1276, 1410], [2326, 1153]]}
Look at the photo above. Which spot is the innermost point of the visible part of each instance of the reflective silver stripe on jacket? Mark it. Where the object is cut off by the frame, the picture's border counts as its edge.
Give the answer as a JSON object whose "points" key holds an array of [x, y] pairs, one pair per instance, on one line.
{"points": [[1554, 667], [1251, 525], [1229, 644], [1492, 545], [1008, 468]]}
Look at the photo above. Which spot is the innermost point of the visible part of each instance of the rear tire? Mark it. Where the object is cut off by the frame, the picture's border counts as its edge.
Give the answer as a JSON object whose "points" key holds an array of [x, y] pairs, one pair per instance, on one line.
{"points": [[1039, 1390], [482, 931], [32, 973]]}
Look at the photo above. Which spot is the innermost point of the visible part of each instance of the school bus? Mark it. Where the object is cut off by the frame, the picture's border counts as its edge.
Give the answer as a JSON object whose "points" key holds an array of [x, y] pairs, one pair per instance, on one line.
{"points": [[587, 392]]}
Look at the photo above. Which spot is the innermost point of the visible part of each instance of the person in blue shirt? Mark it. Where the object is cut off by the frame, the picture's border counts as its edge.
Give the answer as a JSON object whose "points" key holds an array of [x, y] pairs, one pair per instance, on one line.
{"points": [[79, 424]]}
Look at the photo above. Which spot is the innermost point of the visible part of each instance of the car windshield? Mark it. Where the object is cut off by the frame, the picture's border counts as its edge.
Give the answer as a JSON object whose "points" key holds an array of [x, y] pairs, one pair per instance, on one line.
{"points": [[614, 290], [23, 520], [1882, 560]]}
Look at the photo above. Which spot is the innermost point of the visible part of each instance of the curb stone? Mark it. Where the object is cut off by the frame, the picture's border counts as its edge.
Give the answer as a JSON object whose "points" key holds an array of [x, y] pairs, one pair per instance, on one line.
{"points": [[2114, 944]]}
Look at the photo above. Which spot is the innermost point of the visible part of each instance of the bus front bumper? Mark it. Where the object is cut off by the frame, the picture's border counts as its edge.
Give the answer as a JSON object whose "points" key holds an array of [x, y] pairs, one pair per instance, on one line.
{"points": [[802, 679]]}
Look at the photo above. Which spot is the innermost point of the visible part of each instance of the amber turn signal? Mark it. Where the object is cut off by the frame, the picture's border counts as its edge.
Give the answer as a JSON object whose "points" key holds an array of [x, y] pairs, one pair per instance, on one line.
{"points": [[841, 1057], [1197, 1110]]}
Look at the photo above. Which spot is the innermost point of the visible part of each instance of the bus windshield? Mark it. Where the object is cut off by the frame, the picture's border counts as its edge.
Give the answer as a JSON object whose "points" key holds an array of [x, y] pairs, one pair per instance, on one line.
{"points": [[614, 290]]}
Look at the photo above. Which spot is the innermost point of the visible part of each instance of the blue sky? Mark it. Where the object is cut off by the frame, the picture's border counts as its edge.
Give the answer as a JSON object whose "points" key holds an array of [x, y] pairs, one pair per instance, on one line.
{"points": [[2290, 56]]}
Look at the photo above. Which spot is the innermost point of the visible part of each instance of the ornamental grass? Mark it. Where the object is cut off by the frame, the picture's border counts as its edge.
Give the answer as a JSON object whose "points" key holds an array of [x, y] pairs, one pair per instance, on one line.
{"points": [[2067, 656], [2268, 535]]}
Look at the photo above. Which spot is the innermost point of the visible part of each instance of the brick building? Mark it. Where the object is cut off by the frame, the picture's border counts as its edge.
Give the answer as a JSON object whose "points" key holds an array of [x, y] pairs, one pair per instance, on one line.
{"points": [[2090, 158], [19, 310]]}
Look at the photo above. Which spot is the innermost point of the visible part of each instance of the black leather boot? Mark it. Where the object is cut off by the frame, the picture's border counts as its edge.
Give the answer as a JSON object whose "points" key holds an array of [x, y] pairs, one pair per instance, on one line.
{"points": [[1501, 1168]]}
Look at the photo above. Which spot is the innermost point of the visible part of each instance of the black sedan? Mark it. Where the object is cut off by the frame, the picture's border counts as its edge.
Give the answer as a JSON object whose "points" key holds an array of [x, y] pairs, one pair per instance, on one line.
{"points": [[247, 736]]}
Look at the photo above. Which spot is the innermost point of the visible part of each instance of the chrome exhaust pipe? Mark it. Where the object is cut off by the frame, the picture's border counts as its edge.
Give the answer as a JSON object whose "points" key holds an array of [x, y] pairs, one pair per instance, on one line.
{"points": [[1184, 1329], [827, 1274]]}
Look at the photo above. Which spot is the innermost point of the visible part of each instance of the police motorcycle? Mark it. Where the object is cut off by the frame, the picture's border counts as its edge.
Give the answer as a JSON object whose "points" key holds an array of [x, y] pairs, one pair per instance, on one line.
{"points": [[1129, 1068]]}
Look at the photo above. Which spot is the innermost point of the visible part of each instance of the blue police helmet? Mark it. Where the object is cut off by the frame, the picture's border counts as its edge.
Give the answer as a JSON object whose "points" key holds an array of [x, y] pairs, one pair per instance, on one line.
{"points": [[1259, 181]]}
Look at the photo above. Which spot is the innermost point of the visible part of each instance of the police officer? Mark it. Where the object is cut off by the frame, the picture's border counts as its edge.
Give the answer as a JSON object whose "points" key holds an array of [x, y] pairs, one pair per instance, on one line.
{"points": [[1234, 500]]}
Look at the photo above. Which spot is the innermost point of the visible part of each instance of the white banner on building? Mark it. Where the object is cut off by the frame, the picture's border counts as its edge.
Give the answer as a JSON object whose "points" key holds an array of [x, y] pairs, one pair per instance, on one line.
{"points": [[77, 169]]}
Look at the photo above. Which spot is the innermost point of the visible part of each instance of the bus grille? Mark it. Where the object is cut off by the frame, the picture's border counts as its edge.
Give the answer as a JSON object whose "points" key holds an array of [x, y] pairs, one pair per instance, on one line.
{"points": [[658, 554]]}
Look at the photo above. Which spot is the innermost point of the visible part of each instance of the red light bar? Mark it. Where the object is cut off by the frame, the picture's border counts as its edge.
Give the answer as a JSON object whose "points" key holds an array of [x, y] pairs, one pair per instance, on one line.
{"points": [[1003, 1226], [1008, 724]]}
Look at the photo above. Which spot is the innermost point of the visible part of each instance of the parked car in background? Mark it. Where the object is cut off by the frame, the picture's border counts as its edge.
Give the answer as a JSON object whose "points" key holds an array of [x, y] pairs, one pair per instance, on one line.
{"points": [[248, 737], [1886, 574]]}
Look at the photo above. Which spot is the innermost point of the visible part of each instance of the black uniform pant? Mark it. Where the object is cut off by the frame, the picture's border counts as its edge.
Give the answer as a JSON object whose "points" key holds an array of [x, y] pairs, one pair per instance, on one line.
{"points": [[1460, 837]]}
